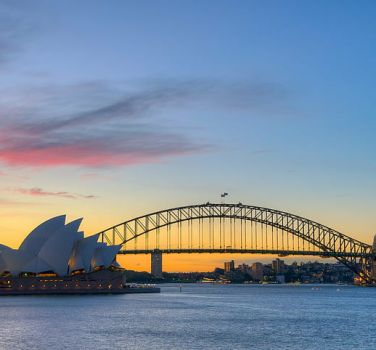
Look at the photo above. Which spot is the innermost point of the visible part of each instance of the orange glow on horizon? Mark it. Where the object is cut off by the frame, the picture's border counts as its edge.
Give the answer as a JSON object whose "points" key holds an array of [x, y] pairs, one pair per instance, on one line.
{"points": [[203, 262]]}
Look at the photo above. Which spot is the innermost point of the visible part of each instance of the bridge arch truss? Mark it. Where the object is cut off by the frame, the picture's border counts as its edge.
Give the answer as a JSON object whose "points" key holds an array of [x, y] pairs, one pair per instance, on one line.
{"points": [[277, 231]]}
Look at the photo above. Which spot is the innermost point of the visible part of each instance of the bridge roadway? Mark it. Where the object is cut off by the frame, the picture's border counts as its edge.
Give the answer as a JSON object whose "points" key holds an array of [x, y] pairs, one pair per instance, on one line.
{"points": [[247, 251]]}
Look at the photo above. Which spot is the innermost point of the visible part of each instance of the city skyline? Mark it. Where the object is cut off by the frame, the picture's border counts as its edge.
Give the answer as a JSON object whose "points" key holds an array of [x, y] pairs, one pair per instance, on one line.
{"points": [[112, 111]]}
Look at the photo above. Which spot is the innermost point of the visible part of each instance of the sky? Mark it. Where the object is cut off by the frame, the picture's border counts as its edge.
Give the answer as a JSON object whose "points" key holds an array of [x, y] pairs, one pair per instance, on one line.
{"points": [[113, 109]]}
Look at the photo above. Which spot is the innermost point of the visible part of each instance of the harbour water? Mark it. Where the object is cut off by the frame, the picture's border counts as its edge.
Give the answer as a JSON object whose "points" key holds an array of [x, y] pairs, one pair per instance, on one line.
{"points": [[199, 317]]}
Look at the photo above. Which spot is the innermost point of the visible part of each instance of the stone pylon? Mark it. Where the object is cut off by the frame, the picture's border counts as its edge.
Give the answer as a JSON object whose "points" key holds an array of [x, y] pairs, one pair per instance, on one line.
{"points": [[156, 264], [373, 266]]}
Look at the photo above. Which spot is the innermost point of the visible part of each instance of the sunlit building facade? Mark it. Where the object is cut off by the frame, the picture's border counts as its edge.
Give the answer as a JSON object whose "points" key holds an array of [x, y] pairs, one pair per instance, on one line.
{"points": [[229, 266], [278, 266], [257, 271]]}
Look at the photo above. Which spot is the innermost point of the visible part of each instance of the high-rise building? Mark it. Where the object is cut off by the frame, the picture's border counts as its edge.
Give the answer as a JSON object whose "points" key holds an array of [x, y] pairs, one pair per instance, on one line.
{"points": [[229, 266], [278, 266], [244, 268], [257, 271]]}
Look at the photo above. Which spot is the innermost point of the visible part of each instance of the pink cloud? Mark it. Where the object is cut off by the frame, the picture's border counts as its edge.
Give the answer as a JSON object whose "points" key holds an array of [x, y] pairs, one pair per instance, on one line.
{"points": [[93, 155], [39, 192], [79, 141], [110, 134], [120, 130]]}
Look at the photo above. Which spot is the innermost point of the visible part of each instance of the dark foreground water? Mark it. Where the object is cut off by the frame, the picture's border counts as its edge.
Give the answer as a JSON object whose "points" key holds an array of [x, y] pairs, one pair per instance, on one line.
{"points": [[200, 317]]}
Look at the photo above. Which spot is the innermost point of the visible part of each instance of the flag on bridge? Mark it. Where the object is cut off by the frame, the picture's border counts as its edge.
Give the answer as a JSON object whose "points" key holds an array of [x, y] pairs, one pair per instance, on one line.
{"points": [[223, 195]]}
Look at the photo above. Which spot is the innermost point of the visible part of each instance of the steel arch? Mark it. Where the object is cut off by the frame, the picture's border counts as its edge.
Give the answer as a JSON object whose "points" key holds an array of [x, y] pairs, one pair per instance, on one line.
{"points": [[349, 251]]}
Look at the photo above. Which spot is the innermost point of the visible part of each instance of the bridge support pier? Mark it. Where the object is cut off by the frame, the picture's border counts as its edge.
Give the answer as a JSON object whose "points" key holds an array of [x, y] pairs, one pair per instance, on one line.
{"points": [[156, 264]]}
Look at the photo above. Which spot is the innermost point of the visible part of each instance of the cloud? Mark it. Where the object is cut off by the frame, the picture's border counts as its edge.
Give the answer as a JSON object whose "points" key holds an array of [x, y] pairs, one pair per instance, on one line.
{"points": [[105, 127], [39, 192]]}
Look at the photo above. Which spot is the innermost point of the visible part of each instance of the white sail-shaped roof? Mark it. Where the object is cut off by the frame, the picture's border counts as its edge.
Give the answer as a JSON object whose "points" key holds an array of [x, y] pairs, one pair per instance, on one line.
{"points": [[4, 248], [58, 248], [15, 260], [116, 264], [75, 225], [36, 238], [83, 252], [36, 265], [109, 254], [3, 264], [5, 252], [104, 255], [97, 258], [54, 246]]}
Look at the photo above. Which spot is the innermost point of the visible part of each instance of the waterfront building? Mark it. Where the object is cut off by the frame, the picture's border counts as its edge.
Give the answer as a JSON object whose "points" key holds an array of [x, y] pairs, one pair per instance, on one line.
{"points": [[57, 248], [245, 268], [229, 266], [257, 271], [56, 258], [278, 266]]}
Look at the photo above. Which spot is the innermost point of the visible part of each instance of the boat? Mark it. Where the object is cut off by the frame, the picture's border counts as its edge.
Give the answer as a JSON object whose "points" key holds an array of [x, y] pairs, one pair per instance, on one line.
{"points": [[208, 280], [215, 281]]}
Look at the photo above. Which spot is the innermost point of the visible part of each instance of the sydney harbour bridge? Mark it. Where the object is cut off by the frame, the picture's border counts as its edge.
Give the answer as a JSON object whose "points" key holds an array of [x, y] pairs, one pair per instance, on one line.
{"points": [[240, 229]]}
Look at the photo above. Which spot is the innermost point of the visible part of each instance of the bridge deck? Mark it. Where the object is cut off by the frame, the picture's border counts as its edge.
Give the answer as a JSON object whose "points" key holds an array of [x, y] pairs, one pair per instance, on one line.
{"points": [[247, 251]]}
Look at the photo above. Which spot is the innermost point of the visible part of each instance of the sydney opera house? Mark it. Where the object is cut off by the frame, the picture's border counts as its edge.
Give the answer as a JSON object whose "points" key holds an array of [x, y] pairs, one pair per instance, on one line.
{"points": [[56, 258]]}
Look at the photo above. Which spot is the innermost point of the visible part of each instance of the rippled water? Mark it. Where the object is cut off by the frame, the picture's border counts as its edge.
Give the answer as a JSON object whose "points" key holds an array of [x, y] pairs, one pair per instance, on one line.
{"points": [[199, 317]]}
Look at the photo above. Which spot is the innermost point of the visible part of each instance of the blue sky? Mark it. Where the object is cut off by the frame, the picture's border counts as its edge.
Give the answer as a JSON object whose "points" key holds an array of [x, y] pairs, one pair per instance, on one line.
{"points": [[110, 109]]}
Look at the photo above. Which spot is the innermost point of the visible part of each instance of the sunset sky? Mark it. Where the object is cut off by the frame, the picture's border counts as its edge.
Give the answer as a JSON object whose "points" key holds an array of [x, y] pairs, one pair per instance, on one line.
{"points": [[113, 109]]}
